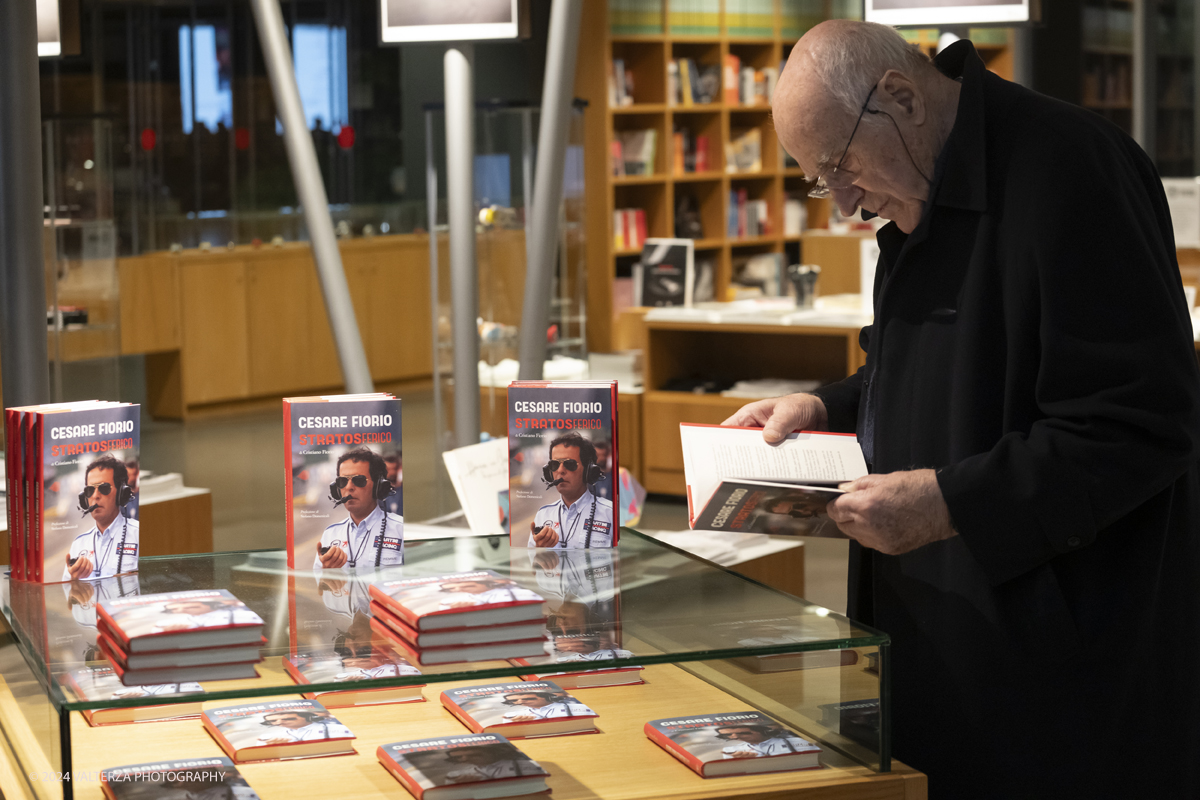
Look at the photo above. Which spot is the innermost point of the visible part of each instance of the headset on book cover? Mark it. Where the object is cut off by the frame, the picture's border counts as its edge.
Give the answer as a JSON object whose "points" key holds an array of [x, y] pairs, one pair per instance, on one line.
{"points": [[124, 495], [382, 491]]}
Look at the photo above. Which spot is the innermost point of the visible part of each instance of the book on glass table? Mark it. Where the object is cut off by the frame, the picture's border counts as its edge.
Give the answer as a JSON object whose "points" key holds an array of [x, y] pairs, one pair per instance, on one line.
{"points": [[736, 482], [389, 627], [153, 623], [357, 671], [175, 780], [520, 710], [463, 768], [200, 672], [457, 600], [737, 743], [278, 731], [101, 683]]}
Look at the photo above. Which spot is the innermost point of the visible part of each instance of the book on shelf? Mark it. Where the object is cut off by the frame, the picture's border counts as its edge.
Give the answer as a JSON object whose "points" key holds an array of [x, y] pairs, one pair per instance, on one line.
{"points": [[686, 81], [674, 86], [750, 18], [520, 710], [695, 18], [748, 218], [562, 493], [665, 275], [689, 153], [357, 671], [795, 214], [635, 17], [279, 730], [629, 228], [73, 510], [731, 78], [463, 767], [457, 600], [743, 151], [620, 85], [345, 502], [96, 683], [161, 780], [153, 623], [638, 149], [617, 156], [737, 482], [738, 743]]}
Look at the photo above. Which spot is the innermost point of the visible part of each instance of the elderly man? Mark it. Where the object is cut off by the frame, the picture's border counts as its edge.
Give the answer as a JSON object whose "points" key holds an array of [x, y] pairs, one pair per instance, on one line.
{"points": [[1030, 409]]}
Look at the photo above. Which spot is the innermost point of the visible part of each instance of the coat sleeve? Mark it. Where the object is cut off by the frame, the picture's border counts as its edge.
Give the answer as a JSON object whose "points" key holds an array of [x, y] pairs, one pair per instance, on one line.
{"points": [[841, 398], [1117, 389]]}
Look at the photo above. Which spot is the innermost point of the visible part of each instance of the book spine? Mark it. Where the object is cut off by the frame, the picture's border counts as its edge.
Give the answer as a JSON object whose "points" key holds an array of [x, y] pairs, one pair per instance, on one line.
{"points": [[39, 491], [288, 488], [400, 774], [12, 458], [701, 154], [220, 739], [664, 741], [615, 477], [678, 154], [733, 68], [106, 624], [387, 602], [639, 217], [461, 715], [27, 490]]}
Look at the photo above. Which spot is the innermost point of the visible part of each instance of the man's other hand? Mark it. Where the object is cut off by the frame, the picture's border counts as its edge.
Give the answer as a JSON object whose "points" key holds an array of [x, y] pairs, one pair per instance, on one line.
{"points": [[333, 558], [893, 513], [80, 569], [546, 537], [779, 416]]}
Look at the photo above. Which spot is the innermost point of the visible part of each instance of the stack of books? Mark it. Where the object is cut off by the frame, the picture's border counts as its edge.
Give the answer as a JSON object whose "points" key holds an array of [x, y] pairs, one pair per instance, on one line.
{"points": [[176, 637], [465, 616]]}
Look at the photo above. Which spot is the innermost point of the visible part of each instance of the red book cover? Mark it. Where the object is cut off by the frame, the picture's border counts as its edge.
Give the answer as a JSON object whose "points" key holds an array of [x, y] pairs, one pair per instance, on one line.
{"points": [[218, 672], [430, 767], [639, 215], [736, 743], [14, 490], [742, 213], [457, 600], [288, 478], [631, 229], [702, 154], [34, 495], [178, 659], [385, 625], [618, 158], [520, 710], [279, 730], [460, 637], [732, 74]]}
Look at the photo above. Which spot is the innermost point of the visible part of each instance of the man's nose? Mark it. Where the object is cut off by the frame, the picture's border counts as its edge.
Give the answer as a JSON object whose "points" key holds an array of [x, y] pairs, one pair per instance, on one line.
{"points": [[848, 199]]}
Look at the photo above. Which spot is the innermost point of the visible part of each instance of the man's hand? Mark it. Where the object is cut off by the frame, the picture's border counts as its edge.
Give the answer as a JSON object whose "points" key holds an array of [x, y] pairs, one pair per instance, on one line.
{"points": [[80, 569], [548, 562], [893, 513], [80, 594], [779, 416], [522, 718], [333, 558], [546, 537], [742, 754]]}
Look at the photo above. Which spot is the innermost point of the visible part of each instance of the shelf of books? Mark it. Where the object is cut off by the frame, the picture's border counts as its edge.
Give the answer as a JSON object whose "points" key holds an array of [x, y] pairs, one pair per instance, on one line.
{"points": [[508, 669], [684, 146]]}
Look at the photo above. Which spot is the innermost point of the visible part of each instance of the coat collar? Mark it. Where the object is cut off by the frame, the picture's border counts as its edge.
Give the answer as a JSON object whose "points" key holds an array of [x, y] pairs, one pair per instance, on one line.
{"points": [[961, 179]]}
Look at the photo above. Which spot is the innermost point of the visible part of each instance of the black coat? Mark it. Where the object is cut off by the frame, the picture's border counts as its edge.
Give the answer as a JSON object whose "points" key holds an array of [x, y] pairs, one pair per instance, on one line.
{"points": [[1031, 343]]}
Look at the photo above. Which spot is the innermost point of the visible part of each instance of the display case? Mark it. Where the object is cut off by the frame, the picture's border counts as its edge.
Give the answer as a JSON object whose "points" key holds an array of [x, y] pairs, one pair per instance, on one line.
{"points": [[710, 641]]}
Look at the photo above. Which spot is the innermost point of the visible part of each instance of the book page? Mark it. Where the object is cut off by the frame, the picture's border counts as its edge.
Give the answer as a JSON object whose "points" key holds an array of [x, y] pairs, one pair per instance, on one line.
{"points": [[479, 473]]}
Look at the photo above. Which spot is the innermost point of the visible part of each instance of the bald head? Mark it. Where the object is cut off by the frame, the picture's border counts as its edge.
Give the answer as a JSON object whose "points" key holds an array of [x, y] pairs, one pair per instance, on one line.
{"points": [[821, 93]]}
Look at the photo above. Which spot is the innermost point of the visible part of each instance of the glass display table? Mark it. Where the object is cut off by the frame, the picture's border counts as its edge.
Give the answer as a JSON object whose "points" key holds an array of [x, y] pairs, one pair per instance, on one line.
{"points": [[710, 641]]}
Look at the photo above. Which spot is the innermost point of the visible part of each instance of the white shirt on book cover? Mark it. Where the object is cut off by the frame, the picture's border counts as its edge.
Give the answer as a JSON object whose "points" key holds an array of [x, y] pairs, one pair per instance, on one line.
{"points": [[776, 746], [361, 542], [156, 689], [507, 768], [588, 522], [312, 732], [102, 548], [220, 618], [596, 655], [552, 711]]}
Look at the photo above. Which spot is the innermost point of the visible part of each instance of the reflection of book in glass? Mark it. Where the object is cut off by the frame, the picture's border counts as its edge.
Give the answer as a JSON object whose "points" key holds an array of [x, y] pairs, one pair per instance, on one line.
{"points": [[520, 710], [457, 600], [101, 683], [461, 767], [733, 744], [856, 719], [279, 730], [357, 671], [172, 780]]}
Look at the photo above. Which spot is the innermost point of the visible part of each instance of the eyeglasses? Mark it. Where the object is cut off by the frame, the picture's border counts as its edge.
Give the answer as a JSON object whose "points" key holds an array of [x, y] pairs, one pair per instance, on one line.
{"points": [[360, 481], [570, 463], [105, 489], [837, 178]]}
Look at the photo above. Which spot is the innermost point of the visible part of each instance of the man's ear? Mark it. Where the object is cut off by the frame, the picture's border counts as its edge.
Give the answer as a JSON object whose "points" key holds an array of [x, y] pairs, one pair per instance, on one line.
{"points": [[902, 93]]}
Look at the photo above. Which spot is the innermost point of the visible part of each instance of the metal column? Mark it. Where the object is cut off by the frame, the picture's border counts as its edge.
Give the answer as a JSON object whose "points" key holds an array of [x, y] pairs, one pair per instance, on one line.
{"points": [[547, 194], [26, 373], [306, 173], [460, 207]]}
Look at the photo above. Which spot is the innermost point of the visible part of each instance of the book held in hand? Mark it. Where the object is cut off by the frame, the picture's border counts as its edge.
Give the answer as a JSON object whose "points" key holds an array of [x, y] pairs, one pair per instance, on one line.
{"points": [[738, 743], [737, 482], [345, 506], [101, 683], [562, 450], [519, 710], [357, 671], [279, 730], [173, 780], [457, 600], [463, 768]]}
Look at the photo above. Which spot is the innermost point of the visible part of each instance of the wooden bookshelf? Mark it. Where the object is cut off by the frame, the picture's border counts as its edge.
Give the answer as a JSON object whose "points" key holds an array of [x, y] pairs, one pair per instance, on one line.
{"points": [[647, 56]]}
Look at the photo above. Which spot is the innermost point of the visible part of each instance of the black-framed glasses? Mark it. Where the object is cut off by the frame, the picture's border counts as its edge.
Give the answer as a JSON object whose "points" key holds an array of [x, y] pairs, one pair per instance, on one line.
{"points": [[360, 481], [837, 178], [570, 463], [105, 489]]}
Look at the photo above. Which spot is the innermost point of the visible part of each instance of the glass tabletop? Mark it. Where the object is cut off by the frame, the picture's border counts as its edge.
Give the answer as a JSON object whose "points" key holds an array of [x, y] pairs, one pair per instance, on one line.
{"points": [[648, 603]]}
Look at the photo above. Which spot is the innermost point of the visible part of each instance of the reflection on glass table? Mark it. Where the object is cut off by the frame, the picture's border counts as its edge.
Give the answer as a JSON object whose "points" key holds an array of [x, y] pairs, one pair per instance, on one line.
{"points": [[648, 604]]}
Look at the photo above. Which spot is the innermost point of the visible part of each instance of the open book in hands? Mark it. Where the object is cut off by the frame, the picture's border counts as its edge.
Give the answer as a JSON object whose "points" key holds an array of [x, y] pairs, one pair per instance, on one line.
{"points": [[737, 482]]}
